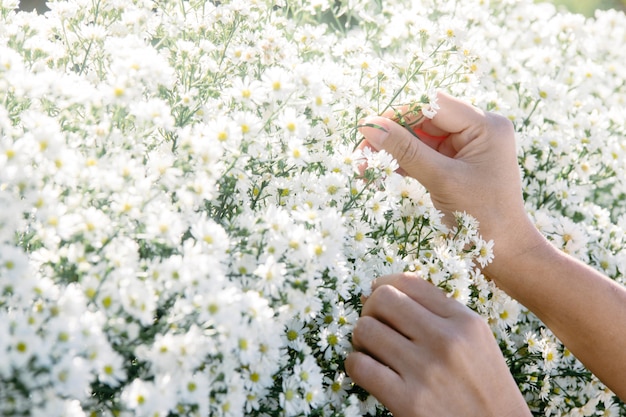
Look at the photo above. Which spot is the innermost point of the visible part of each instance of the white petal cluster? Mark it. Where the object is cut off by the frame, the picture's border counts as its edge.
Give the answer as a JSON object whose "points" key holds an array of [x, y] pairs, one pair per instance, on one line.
{"points": [[186, 226]]}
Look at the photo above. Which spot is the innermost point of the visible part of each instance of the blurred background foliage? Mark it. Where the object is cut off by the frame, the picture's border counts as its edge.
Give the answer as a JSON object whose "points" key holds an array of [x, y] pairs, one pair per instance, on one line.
{"points": [[586, 7]]}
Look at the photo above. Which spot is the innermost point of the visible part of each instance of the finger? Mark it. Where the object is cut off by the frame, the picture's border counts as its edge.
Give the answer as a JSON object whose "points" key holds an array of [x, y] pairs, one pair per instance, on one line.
{"points": [[422, 292], [382, 343], [376, 378], [464, 122], [363, 166], [416, 158], [455, 119], [419, 124], [455, 115], [430, 129], [399, 311]]}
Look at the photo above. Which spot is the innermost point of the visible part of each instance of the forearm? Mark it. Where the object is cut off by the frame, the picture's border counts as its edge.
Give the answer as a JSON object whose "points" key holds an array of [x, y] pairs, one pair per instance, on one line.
{"points": [[584, 309]]}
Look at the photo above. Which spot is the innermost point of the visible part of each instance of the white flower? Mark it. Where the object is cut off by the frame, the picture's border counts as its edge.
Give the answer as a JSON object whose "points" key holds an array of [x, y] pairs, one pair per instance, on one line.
{"points": [[294, 333], [224, 130], [13, 267], [210, 235], [140, 396], [297, 152], [72, 377], [192, 390], [23, 344], [277, 82], [138, 300], [551, 356], [163, 224], [154, 112], [333, 341], [109, 366], [381, 161], [272, 275], [377, 206], [430, 110], [290, 399], [293, 124], [309, 373], [508, 311], [249, 124], [485, 252], [247, 90]]}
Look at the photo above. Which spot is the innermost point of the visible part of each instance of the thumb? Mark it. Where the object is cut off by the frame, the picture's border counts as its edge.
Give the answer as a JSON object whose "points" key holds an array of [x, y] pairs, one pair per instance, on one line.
{"points": [[417, 159]]}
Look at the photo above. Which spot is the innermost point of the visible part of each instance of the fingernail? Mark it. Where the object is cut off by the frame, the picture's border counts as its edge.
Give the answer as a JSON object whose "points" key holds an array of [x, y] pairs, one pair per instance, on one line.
{"points": [[375, 130], [423, 135]]}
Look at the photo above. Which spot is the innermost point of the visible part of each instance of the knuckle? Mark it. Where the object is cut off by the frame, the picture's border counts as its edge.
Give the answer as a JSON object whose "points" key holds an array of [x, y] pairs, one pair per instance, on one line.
{"points": [[467, 327], [472, 323], [405, 281], [362, 330], [499, 123], [383, 293]]}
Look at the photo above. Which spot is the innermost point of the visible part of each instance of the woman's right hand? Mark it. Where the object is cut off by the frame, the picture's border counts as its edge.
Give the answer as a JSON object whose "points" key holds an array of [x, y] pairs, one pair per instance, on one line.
{"points": [[473, 170]]}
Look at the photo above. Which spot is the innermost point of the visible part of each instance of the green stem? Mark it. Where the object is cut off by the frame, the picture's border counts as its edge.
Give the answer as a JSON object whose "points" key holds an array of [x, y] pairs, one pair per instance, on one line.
{"points": [[410, 77]]}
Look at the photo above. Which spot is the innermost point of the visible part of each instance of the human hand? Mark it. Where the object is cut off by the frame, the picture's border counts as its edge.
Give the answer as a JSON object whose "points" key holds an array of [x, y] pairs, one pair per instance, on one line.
{"points": [[473, 170], [421, 353]]}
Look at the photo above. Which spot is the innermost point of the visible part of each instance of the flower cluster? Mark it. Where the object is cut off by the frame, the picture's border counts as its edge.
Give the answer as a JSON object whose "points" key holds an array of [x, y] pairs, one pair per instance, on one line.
{"points": [[188, 222]]}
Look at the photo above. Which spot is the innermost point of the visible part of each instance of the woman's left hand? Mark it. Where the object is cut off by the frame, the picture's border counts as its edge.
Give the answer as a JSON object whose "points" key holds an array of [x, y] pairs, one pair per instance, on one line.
{"points": [[421, 353]]}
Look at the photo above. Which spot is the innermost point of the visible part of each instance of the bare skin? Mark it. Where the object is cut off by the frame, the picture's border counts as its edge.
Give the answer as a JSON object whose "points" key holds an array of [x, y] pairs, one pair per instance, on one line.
{"points": [[457, 369], [424, 354]]}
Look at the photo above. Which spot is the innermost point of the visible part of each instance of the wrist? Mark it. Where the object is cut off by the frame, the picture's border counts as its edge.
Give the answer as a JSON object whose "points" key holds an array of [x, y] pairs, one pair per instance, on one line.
{"points": [[517, 244]]}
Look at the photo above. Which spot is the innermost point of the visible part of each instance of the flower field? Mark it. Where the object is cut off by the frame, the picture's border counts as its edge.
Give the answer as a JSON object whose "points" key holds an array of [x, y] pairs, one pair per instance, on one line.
{"points": [[185, 229]]}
